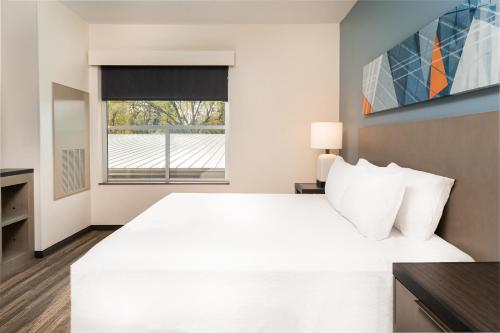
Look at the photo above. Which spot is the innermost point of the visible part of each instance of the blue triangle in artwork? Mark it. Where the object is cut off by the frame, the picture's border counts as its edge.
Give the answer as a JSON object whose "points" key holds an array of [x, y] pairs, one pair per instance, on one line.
{"points": [[452, 32], [426, 42]]}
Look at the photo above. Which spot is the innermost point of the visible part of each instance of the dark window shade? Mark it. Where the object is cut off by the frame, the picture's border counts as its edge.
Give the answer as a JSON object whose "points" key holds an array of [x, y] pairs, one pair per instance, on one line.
{"points": [[174, 83]]}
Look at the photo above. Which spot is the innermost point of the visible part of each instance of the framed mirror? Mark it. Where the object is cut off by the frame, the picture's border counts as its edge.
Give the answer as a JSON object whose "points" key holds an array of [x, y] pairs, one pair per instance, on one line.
{"points": [[70, 140]]}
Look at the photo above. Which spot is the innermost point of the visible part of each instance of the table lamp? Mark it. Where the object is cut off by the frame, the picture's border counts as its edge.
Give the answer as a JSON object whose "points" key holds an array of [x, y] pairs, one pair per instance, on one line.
{"points": [[325, 135]]}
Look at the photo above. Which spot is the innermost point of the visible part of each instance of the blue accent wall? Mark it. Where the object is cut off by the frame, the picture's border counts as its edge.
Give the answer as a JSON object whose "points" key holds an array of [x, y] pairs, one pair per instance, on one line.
{"points": [[373, 27]]}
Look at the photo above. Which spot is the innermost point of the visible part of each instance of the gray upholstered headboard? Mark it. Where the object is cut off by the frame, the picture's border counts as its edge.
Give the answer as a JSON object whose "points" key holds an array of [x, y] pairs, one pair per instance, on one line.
{"points": [[465, 148]]}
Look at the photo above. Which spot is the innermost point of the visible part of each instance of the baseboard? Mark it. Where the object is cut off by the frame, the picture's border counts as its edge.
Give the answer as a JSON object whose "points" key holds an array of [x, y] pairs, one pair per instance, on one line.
{"points": [[106, 227], [65, 241], [76, 235]]}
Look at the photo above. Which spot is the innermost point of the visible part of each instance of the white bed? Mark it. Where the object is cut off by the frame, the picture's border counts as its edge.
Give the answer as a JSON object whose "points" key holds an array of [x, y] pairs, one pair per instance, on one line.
{"points": [[242, 263]]}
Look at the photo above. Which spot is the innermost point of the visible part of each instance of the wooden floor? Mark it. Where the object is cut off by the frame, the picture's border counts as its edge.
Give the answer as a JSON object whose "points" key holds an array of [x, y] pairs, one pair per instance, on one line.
{"points": [[38, 298]]}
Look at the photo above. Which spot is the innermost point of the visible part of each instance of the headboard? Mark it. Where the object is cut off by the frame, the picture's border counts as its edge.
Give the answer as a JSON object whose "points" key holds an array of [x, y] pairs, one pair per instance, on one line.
{"points": [[465, 148]]}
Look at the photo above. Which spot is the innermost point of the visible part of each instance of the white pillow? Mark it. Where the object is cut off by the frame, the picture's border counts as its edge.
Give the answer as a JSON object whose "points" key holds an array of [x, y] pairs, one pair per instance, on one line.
{"points": [[372, 201], [339, 178], [423, 203], [365, 163]]}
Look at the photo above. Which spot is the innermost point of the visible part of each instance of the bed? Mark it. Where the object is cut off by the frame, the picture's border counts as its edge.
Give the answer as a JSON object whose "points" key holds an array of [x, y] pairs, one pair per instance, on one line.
{"points": [[242, 263], [281, 262]]}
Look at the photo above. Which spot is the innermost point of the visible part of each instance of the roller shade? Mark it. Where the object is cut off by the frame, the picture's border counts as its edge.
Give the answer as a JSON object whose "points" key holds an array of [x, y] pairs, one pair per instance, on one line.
{"points": [[179, 83]]}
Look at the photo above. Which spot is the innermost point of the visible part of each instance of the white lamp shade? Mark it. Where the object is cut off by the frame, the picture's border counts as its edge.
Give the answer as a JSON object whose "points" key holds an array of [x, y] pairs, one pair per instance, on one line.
{"points": [[326, 135]]}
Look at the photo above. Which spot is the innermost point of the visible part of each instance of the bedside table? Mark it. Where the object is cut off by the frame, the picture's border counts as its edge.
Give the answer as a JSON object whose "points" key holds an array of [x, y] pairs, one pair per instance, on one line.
{"points": [[308, 188], [446, 297]]}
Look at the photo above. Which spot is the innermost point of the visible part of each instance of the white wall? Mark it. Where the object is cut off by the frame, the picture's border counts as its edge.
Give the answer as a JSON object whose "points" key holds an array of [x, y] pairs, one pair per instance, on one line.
{"points": [[285, 77], [63, 45], [1, 93], [19, 109]]}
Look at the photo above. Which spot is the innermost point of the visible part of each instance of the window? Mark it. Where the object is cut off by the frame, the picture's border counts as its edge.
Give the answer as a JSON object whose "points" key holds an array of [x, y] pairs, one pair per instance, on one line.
{"points": [[162, 139]]}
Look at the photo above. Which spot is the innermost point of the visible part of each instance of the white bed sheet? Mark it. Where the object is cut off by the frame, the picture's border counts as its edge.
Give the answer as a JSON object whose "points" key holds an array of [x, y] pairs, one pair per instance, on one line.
{"points": [[242, 263]]}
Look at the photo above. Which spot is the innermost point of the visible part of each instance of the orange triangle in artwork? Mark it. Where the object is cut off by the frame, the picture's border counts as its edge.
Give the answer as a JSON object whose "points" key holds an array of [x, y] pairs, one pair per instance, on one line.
{"points": [[438, 79], [366, 107]]}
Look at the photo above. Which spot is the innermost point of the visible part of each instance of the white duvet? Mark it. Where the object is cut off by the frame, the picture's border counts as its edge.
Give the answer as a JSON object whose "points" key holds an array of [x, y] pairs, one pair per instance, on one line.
{"points": [[242, 263]]}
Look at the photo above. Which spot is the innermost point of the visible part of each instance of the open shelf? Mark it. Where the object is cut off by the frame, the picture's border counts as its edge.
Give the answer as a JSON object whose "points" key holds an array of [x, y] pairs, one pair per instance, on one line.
{"points": [[14, 219], [14, 202], [16, 224], [12, 254], [14, 237]]}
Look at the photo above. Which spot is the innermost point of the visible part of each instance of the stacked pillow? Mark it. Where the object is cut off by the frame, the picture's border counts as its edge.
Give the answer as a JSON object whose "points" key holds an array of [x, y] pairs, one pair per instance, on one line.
{"points": [[339, 178], [375, 199], [369, 198], [423, 203]]}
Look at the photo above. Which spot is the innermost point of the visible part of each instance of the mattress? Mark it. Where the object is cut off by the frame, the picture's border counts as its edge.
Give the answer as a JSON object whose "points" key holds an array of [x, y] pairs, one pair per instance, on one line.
{"points": [[242, 263]]}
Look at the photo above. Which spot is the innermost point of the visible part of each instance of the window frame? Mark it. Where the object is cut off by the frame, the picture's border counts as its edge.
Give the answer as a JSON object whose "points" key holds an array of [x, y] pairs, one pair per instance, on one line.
{"points": [[166, 180]]}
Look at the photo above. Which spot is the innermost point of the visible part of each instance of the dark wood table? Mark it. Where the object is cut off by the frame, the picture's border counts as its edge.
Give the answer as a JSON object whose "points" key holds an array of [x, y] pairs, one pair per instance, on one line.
{"points": [[465, 296], [308, 188], [14, 172]]}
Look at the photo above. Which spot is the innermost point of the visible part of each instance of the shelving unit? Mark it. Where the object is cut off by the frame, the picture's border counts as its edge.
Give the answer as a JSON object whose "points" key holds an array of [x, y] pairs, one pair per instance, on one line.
{"points": [[14, 219], [17, 237]]}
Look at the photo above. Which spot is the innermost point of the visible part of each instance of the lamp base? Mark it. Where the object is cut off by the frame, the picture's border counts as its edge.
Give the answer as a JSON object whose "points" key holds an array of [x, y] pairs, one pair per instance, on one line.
{"points": [[323, 166]]}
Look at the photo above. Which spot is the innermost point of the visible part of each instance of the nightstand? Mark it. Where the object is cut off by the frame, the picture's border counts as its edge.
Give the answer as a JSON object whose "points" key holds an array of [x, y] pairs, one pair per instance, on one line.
{"points": [[308, 188], [446, 297]]}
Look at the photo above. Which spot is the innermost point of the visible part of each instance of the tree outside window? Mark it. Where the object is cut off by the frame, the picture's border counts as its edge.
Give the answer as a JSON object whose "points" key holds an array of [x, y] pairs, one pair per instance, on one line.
{"points": [[137, 113]]}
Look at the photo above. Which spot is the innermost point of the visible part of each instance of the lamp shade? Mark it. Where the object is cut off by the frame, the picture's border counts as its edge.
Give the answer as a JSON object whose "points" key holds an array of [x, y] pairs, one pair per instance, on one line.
{"points": [[326, 135]]}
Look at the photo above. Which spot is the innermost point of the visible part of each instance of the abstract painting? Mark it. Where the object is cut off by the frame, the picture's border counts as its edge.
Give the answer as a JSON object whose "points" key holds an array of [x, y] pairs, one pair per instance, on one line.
{"points": [[456, 53]]}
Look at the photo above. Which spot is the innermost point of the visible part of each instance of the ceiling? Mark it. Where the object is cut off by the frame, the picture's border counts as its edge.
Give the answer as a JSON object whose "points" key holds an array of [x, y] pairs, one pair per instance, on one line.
{"points": [[210, 11]]}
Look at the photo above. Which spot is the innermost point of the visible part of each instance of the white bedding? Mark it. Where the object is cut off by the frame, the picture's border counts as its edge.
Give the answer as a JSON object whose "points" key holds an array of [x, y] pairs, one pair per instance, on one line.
{"points": [[242, 263]]}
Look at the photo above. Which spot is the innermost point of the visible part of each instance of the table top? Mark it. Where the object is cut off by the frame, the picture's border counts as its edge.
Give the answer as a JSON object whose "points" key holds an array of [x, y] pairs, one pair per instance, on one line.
{"points": [[14, 172], [309, 188], [465, 296]]}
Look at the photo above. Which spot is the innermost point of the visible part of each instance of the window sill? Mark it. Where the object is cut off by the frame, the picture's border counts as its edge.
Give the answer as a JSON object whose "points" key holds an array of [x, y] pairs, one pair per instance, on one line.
{"points": [[208, 182]]}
